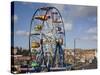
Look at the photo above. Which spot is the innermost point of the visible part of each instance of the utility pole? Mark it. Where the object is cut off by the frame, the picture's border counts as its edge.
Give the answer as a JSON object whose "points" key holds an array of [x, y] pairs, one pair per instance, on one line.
{"points": [[74, 51]]}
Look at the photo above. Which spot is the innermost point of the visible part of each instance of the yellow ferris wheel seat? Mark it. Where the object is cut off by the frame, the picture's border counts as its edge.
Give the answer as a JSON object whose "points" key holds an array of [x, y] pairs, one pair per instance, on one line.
{"points": [[35, 45], [42, 17], [38, 27]]}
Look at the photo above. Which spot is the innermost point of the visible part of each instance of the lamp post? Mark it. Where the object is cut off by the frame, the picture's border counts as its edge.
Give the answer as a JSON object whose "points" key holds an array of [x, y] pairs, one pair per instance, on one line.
{"points": [[74, 51], [75, 42]]}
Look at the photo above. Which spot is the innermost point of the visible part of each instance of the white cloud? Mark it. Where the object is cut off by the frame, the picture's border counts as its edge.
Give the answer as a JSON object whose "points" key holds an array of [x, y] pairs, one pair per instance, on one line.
{"points": [[91, 34], [94, 37], [25, 3], [15, 17], [91, 38], [80, 12], [92, 30], [68, 26], [22, 33]]}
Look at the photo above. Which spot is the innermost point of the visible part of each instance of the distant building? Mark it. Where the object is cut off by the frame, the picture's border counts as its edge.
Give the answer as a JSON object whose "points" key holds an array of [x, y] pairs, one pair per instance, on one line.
{"points": [[80, 55]]}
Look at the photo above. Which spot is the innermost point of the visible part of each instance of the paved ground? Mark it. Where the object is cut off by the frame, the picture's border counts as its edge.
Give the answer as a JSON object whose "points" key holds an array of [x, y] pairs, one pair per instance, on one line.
{"points": [[86, 66]]}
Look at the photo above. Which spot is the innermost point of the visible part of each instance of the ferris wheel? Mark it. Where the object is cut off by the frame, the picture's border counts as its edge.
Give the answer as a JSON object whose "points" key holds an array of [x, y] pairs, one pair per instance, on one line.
{"points": [[47, 37]]}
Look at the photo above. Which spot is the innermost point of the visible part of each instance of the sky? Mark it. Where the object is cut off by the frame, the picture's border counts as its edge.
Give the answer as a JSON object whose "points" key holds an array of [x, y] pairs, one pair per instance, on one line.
{"points": [[80, 23]]}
